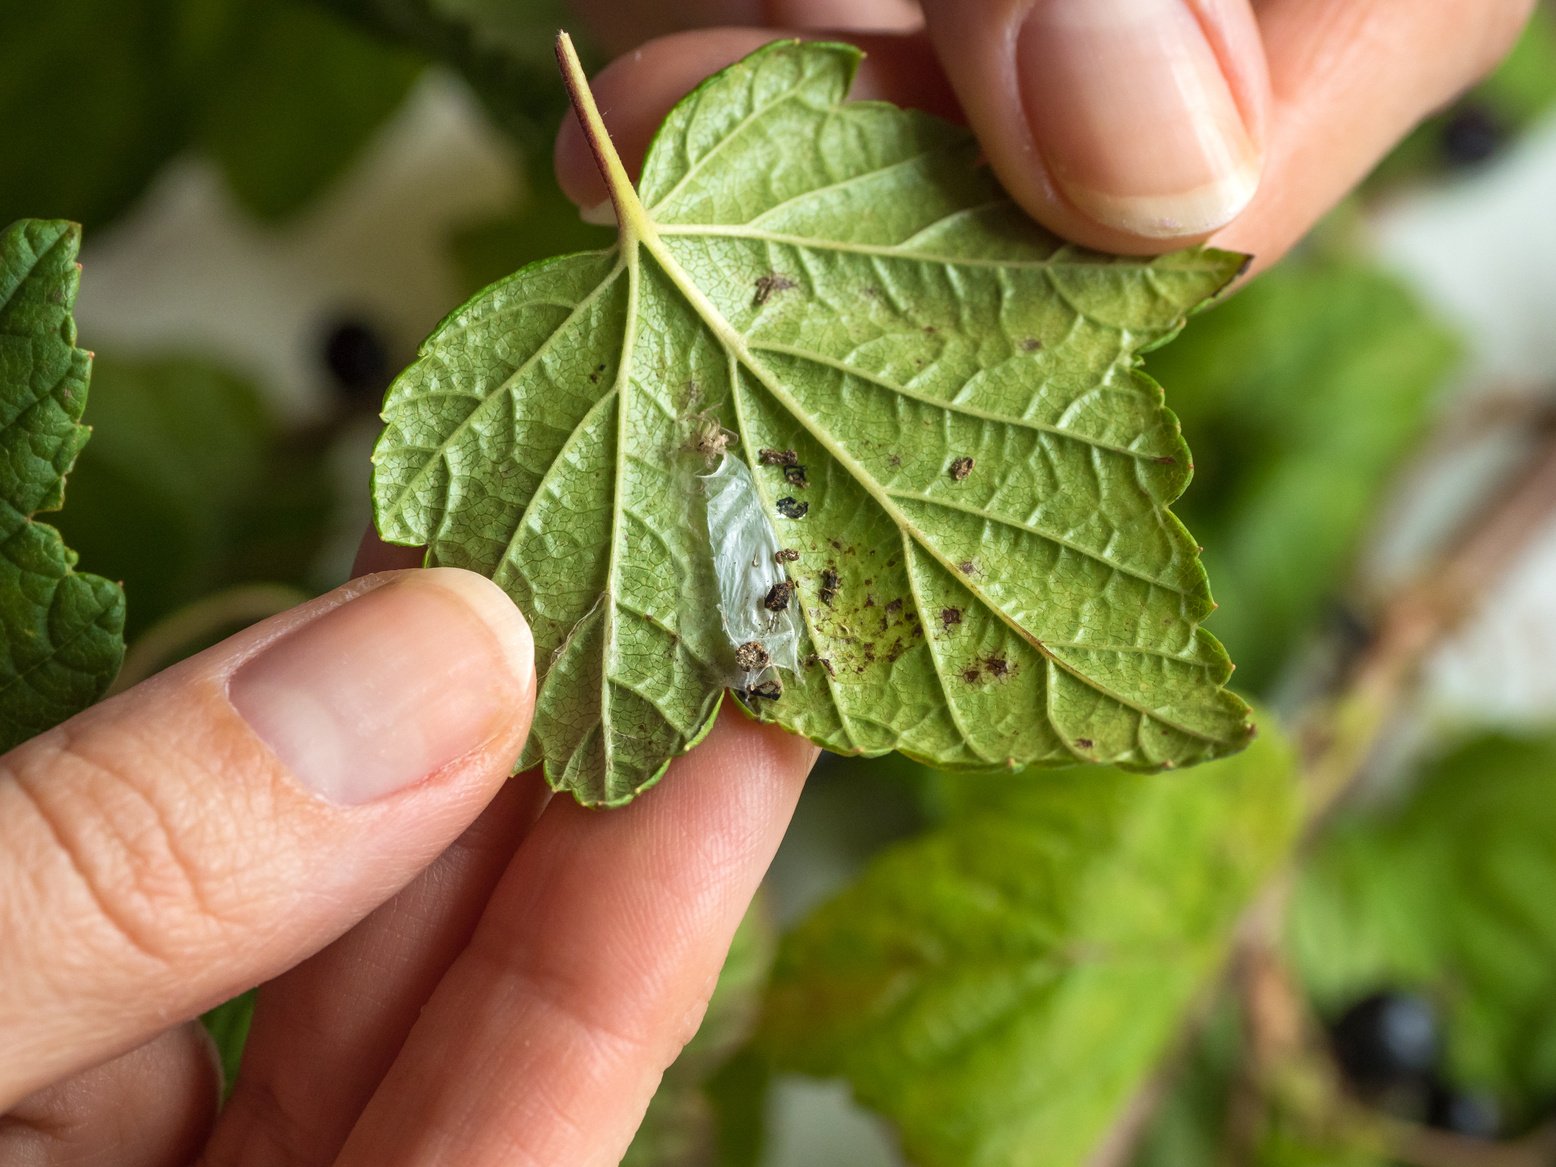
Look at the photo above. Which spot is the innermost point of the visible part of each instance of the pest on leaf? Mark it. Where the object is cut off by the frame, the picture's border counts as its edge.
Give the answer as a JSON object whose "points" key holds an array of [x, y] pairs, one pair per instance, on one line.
{"points": [[752, 656], [778, 596], [768, 284], [791, 508]]}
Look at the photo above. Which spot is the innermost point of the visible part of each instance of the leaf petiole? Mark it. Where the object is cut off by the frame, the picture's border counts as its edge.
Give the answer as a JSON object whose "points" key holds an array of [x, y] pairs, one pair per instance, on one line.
{"points": [[631, 219]]}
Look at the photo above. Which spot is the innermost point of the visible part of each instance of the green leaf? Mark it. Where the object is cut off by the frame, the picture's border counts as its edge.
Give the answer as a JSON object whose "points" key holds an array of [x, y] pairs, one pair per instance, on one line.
{"points": [[190, 486], [1323, 362], [62, 641], [300, 94], [88, 99], [1450, 894], [279, 94], [987, 572], [1001, 987], [502, 47]]}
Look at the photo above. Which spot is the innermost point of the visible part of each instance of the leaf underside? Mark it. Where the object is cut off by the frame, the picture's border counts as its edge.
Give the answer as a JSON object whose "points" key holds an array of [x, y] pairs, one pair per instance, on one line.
{"points": [[62, 631], [987, 573]]}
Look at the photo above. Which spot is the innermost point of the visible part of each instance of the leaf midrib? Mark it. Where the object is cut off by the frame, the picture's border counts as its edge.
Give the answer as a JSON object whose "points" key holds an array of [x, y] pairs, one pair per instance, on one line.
{"points": [[648, 236]]}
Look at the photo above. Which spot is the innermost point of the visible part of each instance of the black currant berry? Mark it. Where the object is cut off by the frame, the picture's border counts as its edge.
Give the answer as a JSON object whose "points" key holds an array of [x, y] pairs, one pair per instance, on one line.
{"points": [[1471, 133], [358, 362], [1464, 1112], [1387, 1038]]}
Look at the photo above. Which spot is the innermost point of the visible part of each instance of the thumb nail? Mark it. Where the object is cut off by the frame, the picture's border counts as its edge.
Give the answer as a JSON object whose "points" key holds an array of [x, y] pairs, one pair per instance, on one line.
{"points": [[1133, 115], [382, 692]]}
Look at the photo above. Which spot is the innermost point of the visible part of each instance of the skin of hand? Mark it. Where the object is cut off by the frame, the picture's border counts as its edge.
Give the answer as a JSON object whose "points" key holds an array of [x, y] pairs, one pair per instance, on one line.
{"points": [[457, 968]]}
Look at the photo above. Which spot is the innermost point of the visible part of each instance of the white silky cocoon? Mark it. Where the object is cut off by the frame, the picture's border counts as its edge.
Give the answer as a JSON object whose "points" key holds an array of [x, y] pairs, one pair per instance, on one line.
{"points": [[744, 548]]}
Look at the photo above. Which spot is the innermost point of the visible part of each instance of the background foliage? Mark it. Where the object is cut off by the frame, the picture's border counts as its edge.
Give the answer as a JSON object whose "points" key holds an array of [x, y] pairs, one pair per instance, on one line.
{"points": [[1052, 970]]}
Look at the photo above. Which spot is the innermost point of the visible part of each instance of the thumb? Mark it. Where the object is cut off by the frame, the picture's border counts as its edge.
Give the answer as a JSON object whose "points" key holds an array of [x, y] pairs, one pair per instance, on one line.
{"points": [[1126, 125], [211, 827]]}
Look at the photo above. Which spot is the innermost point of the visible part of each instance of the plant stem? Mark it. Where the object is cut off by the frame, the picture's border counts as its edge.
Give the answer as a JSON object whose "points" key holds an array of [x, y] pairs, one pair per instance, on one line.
{"points": [[631, 220]]}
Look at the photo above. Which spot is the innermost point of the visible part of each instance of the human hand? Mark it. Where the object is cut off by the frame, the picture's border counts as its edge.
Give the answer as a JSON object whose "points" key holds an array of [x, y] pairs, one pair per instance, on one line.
{"points": [[535, 966], [1134, 126]]}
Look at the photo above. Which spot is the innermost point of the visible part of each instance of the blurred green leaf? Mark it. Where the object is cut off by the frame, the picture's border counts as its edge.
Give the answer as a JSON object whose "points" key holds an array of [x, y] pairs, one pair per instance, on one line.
{"points": [[1300, 395], [1450, 894], [89, 98], [1189, 1124], [687, 1124], [502, 47], [96, 95], [187, 469], [301, 93], [61, 632], [1001, 987]]}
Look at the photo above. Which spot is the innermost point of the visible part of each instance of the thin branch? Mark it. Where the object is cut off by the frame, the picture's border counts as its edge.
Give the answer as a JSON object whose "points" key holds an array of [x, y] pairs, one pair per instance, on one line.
{"points": [[1337, 740]]}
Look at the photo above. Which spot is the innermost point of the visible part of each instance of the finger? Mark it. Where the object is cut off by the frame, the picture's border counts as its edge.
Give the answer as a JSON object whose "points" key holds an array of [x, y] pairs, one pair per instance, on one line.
{"points": [[1127, 125], [151, 1107], [590, 967], [325, 1033], [636, 91], [206, 829], [617, 26], [1348, 81]]}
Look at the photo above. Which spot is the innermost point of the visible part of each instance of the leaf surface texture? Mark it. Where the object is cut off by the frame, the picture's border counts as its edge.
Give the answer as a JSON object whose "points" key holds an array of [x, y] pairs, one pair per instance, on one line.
{"points": [[962, 452], [62, 631]]}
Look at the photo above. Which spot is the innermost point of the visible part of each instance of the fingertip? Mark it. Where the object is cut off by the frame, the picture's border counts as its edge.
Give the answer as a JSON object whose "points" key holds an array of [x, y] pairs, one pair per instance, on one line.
{"points": [[1131, 126]]}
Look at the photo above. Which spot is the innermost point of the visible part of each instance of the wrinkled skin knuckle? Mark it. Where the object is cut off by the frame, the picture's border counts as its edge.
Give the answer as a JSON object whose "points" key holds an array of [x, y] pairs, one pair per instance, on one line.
{"points": [[131, 887]]}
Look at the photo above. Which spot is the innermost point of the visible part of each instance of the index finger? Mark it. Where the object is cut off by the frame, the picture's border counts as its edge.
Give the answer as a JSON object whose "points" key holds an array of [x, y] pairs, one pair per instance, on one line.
{"points": [[590, 968]]}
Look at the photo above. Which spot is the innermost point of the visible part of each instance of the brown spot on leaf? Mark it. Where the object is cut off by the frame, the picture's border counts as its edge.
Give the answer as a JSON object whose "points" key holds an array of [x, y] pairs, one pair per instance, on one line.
{"points": [[960, 469], [813, 659], [949, 617], [998, 666], [830, 581], [893, 609], [1030, 344], [768, 284], [966, 567], [972, 674], [1084, 743]]}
